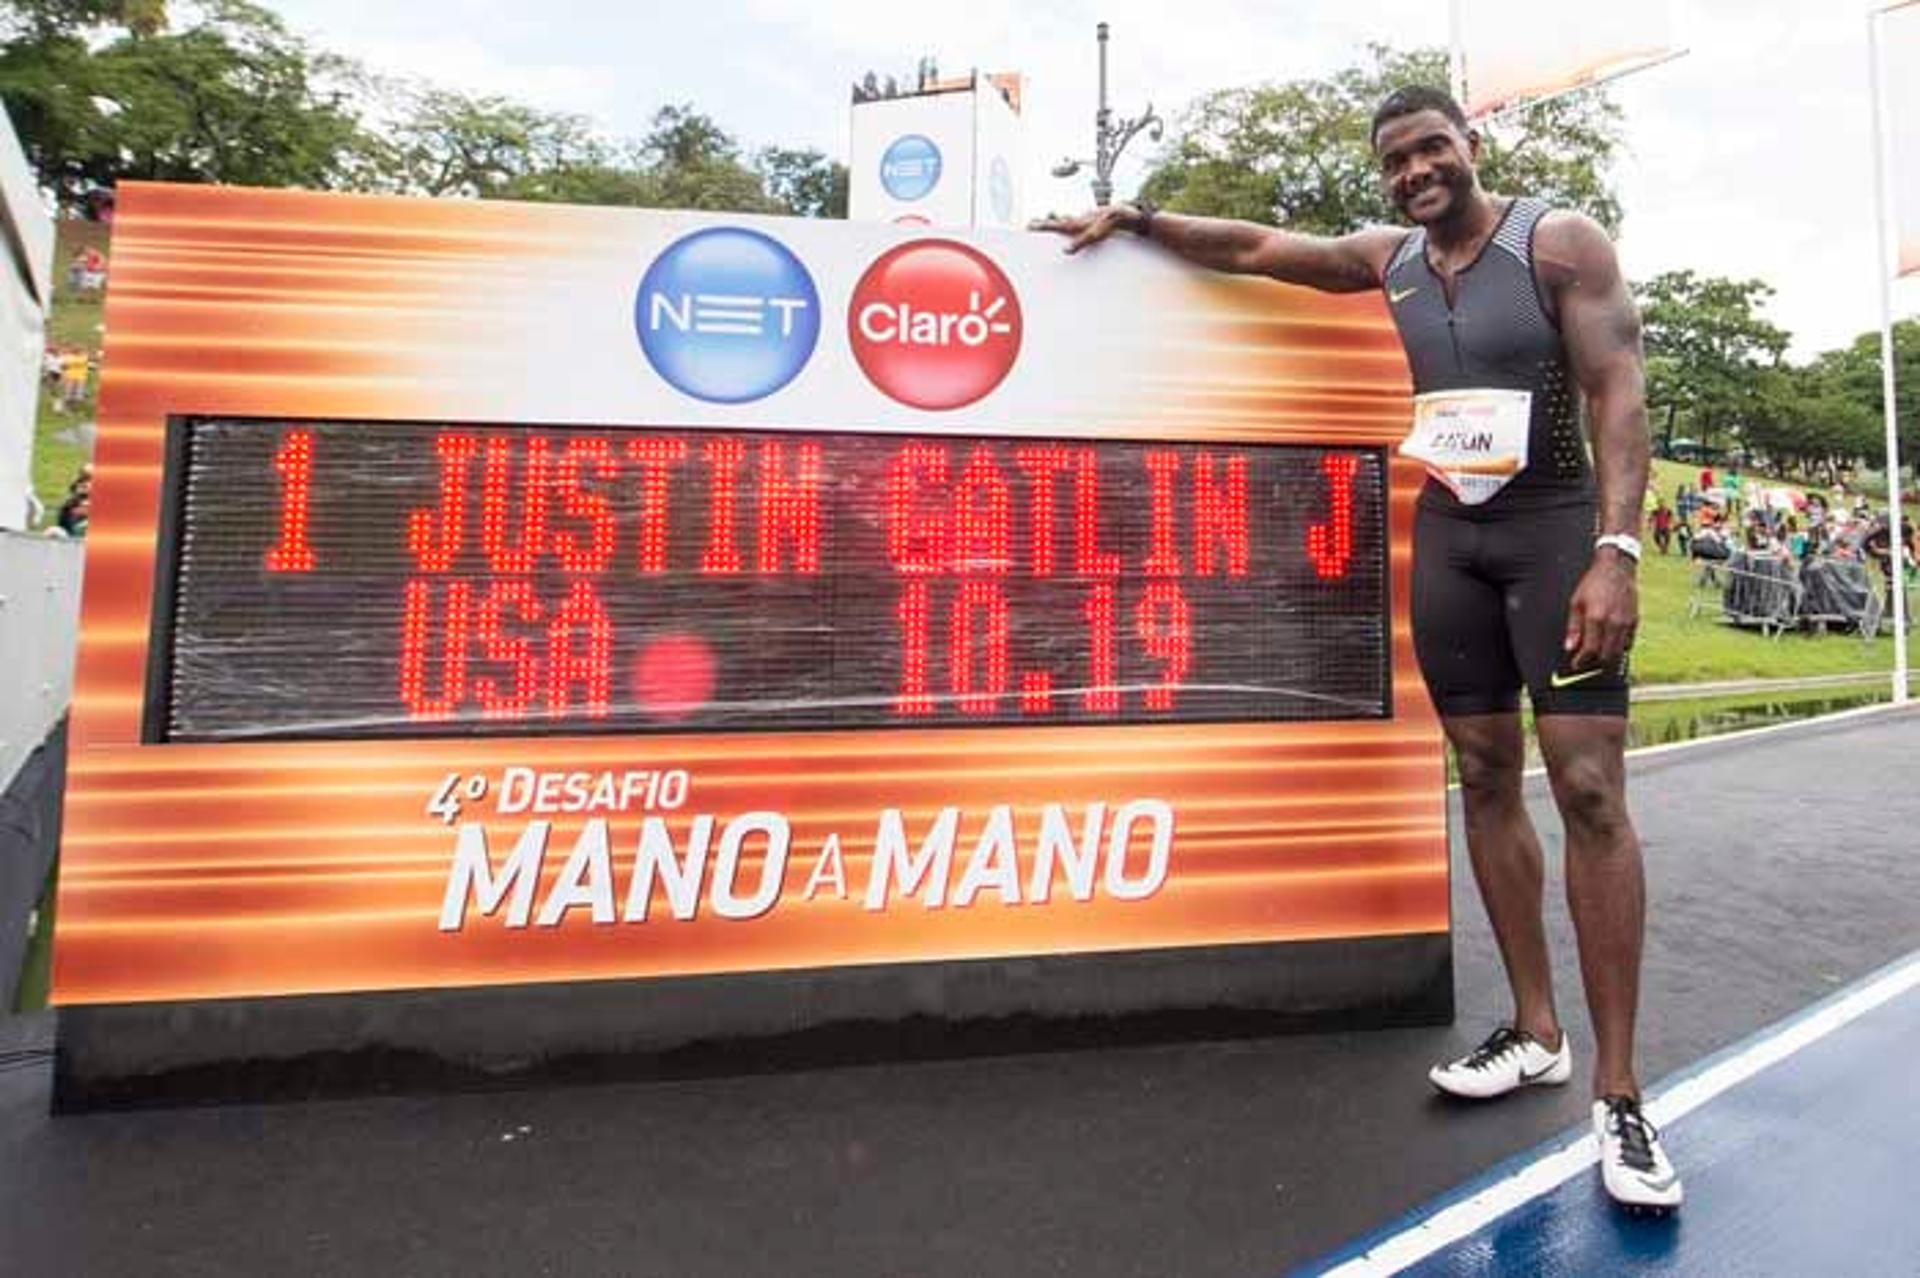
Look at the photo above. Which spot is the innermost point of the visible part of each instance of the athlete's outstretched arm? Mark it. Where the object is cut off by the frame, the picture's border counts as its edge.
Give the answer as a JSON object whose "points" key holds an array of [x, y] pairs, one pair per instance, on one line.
{"points": [[1601, 326], [1334, 264]]}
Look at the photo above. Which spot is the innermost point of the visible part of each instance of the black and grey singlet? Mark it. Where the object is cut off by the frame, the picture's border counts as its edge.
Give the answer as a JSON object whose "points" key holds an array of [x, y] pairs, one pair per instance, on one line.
{"points": [[1497, 335], [1491, 582]]}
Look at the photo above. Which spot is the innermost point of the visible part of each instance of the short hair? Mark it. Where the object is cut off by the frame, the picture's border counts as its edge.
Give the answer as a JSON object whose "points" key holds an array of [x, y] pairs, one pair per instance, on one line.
{"points": [[1412, 99]]}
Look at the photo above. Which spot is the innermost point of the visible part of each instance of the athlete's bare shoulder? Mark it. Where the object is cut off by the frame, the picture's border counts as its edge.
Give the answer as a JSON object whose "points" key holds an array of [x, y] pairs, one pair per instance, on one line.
{"points": [[1377, 245], [1571, 250], [1579, 271]]}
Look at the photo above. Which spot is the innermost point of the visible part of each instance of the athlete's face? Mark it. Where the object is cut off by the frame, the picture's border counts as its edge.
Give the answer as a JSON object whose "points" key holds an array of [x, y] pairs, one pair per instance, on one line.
{"points": [[1427, 165]]}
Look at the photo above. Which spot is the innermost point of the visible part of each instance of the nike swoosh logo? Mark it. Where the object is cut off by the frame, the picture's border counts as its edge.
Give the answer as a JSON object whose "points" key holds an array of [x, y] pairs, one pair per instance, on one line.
{"points": [[1538, 1074], [1399, 295], [1661, 1185], [1567, 681]]}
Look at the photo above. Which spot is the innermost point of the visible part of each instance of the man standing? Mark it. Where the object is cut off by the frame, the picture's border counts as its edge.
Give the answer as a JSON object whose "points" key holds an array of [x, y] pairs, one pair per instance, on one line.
{"points": [[1510, 312]]}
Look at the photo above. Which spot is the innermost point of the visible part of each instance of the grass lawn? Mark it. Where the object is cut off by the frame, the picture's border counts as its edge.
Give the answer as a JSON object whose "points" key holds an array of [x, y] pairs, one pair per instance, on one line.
{"points": [[36, 971], [60, 442]]}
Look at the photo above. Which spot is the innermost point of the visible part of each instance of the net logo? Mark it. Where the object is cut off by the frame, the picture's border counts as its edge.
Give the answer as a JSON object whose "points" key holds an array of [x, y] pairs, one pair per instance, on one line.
{"points": [[911, 167], [727, 315], [934, 324]]}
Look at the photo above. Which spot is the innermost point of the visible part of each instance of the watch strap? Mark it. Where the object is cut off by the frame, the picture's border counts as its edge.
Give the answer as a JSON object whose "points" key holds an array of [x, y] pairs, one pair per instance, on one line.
{"points": [[1626, 543]]}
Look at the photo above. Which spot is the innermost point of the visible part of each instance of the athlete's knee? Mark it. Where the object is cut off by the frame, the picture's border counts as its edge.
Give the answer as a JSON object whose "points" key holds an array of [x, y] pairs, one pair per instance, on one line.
{"points": [[1489, 773], [1591, 794]]}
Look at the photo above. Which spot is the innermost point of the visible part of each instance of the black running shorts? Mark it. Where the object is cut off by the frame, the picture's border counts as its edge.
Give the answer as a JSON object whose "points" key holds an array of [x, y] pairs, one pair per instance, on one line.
{"points": [[1490, 613]]}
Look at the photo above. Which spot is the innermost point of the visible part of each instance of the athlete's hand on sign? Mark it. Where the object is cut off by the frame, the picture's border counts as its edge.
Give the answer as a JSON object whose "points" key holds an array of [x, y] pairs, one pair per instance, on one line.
{"points": [[1087, 229], [1604, 613]]}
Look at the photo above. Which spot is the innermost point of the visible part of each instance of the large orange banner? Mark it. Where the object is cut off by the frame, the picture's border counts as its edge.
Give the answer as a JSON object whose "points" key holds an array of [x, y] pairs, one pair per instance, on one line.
{"points": [[482, 593]]}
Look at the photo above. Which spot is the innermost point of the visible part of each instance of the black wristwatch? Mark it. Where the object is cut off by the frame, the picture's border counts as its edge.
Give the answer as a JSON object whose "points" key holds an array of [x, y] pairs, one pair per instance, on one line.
{"points": [[1146, 209]]}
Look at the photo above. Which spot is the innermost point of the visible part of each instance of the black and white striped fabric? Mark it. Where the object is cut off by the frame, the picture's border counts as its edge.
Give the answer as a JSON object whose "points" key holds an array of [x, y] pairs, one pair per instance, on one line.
{"points": [[1495, 334]]}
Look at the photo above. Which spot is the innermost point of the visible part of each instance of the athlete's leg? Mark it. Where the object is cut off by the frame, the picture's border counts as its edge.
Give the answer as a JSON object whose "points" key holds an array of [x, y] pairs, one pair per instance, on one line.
{"points": [[1460, 633], [1606, 887], [1505, 852], [1581, 719]]}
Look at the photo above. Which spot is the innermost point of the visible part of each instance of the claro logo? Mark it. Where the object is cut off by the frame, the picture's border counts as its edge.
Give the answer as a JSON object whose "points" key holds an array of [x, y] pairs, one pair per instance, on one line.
{"points": [[934, 324]]}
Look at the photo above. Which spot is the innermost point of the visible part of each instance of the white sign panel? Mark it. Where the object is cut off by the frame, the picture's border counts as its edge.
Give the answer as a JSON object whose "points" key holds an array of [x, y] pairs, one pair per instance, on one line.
{"points": [[997, 202], [912, 160], [1900, 47], [24, 290]]}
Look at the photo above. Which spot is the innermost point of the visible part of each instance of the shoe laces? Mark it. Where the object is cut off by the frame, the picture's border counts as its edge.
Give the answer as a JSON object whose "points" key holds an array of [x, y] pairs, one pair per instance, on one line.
{"points": [[1635, 1132], [1502, 1041]]}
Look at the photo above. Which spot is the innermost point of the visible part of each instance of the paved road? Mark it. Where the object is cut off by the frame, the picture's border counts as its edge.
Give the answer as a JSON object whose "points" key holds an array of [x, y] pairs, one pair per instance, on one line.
{"points": [[1781, 866]]}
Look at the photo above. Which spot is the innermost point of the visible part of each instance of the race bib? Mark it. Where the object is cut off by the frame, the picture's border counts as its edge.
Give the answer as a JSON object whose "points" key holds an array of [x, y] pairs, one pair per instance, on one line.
{"points": [[1473, 441]]}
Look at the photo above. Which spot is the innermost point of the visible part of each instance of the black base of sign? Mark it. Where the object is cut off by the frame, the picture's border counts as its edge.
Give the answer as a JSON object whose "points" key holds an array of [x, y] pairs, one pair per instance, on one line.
{"points": [[277, 1048]]}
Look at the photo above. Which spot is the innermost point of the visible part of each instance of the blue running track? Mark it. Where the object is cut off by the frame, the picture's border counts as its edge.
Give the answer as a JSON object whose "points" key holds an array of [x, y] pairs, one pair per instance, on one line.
{"points": [[1805, 1168]]}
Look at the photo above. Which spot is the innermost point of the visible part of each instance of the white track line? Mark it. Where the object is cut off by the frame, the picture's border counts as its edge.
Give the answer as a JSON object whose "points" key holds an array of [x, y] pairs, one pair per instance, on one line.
{"points": [[1461, 1219]]}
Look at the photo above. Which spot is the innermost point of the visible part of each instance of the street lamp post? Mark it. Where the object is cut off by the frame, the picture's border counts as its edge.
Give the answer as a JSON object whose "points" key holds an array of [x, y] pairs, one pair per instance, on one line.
{"points": [[1110, 136]]}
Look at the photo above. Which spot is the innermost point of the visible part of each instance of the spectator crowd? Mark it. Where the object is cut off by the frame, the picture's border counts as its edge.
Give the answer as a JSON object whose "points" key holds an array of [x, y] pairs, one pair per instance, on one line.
{"points": [[1734, 528]]}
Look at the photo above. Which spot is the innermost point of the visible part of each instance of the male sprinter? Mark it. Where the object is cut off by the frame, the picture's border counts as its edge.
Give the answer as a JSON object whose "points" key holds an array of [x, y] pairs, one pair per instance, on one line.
{"points": [[1509, 312]]}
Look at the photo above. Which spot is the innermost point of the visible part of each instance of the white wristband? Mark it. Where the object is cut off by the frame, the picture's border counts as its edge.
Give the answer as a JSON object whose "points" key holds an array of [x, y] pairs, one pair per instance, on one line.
{"points": [[1626, 543]]}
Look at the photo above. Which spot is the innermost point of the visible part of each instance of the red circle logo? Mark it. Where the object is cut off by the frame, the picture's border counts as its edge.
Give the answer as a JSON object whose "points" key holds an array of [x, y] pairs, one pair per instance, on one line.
{"points": [[934, 324]]}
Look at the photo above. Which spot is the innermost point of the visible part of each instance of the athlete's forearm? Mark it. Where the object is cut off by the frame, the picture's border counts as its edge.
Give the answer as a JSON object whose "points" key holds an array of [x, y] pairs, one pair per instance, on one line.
{"points": [[1602, 330], [1219, 243], [1621, 455], [1346, 264]]}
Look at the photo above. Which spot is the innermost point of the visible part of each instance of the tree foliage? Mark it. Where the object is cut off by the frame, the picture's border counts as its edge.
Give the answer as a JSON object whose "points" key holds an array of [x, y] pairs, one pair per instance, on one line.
{"points": [[1300, 154], [1716, 370], [103, 90], [1801, 427], [1852, 375], [805, 182], [100, 92], [1707, 344], [445, 143], [46, 19]]}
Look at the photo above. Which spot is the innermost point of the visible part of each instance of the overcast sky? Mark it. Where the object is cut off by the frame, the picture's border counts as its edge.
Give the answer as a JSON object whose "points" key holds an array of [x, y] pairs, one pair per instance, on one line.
{"points": [[1749, 157]]}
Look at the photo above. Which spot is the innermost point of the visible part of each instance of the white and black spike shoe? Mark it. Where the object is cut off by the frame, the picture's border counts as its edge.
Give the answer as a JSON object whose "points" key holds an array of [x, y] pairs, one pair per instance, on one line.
{"points": [[1633, 1167], [1508, 1060]]}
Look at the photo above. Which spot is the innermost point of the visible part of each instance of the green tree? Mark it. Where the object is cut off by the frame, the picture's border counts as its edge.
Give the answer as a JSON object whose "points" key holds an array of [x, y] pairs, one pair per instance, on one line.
{"points": [[447, 143], [1805, 427], [692, 163], [1300, 154], [1707, 344], [804, 182], [46, 19], [594, 182], [231, 96], [1853, 372], [101, 90]]}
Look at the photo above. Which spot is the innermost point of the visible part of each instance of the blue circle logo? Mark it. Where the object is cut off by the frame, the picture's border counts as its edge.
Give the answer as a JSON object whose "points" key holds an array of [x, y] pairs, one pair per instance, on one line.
{"points": [[911, 167], [727, 315]]}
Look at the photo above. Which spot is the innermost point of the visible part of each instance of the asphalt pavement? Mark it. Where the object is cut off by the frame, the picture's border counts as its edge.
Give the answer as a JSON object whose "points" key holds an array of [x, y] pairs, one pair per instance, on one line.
{"points": [[1781, 866]]}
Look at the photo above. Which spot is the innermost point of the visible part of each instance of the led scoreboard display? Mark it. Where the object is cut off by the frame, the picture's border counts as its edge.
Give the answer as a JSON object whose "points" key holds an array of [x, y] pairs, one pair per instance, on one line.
{"points": [[340, 579], [515, 631]]}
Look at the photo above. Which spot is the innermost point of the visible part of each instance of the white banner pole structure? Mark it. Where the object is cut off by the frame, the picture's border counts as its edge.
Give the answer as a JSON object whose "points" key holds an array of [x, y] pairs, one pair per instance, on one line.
{"points": [[1899, 236], [1457, 52]]}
